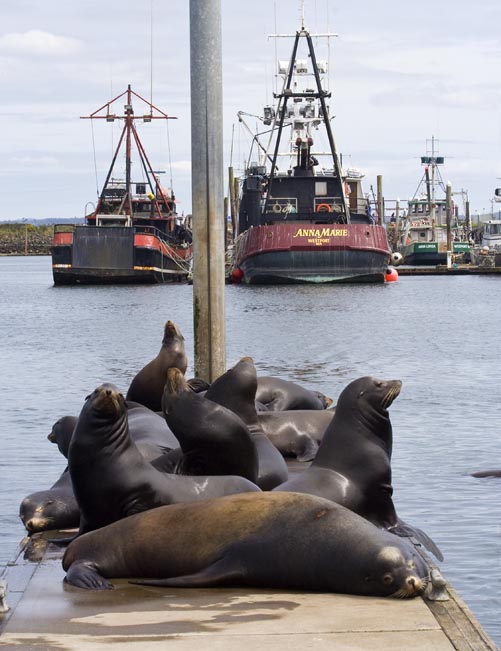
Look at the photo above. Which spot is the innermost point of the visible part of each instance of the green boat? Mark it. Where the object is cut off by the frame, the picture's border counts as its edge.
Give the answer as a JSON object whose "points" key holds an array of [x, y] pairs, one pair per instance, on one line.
{"points": [[430, 228]]}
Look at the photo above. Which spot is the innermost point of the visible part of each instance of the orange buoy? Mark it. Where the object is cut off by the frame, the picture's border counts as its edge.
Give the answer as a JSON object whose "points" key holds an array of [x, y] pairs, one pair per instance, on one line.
{"points": [[236, 275], [391, 275]]}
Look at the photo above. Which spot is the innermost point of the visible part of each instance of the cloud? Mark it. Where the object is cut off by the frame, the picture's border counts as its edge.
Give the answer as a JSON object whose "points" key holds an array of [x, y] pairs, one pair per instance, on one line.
{"points": [[36, 42]]}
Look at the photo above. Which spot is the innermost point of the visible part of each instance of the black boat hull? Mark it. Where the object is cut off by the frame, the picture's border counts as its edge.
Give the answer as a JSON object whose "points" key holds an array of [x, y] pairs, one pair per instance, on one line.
{"points": [[92, 255]]}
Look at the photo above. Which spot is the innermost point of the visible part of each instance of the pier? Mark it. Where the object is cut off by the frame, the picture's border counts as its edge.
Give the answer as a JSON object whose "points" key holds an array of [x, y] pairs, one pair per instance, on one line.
{"points": [[443, 270], [45, 613]]}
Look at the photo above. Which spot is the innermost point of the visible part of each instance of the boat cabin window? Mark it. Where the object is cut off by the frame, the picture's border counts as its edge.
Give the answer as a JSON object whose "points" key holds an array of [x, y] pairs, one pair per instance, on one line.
{"points": [[140, 188], [493, 229], [320, 189]]}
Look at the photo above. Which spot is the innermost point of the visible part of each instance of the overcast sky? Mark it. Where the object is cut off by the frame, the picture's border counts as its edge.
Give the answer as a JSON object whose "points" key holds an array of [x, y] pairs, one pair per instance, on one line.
{"points": [[401, 73]]}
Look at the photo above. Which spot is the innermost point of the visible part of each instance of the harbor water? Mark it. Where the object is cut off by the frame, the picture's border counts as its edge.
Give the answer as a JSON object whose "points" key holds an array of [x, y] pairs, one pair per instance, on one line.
{"points": [[439, 335]]}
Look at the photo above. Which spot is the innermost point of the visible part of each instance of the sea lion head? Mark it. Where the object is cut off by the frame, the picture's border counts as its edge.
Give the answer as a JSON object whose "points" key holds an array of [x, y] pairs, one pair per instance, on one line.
{"points": [[41, 511], [399, 572], [171, 331], [61, 433], [175, 385], [370, 392], [107, 401]]}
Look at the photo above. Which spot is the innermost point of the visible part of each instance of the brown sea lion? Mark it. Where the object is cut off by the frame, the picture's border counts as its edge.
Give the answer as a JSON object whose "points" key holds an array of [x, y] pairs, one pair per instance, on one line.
{"points": [[148, 385], [264, 540]]}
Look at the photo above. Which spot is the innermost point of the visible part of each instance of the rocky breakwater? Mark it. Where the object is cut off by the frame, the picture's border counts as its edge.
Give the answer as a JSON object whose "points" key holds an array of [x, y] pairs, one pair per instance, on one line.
{"points": [[25, 239]]}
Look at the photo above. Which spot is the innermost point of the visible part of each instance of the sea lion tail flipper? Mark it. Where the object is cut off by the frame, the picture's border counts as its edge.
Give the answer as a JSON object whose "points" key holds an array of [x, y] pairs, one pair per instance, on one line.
{"points": [[405, 530], [85, 575], [222, 572]]}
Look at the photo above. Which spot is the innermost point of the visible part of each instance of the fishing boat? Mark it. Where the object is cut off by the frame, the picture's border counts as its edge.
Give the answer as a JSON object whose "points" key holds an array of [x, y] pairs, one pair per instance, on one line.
{"points": [[134, 234], [431, 226], [301, 220]]}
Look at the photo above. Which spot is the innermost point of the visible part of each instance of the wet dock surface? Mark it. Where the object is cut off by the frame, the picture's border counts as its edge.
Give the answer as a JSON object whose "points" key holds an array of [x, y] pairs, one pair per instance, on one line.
{"points": [[47, 614]]}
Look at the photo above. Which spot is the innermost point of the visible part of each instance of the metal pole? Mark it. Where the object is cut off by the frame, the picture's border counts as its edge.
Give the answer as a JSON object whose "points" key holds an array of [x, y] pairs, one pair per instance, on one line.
{"points": [[207, 189], [380, 200], [448, 210]]}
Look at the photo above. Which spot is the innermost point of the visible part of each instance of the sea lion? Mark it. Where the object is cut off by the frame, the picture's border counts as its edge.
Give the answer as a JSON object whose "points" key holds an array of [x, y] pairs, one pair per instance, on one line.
{"points": [[296, 432], [110, 476], [486, 473], [61, 433], [264, 540], [148, 385], [281, 395], [236, 390], [213, 439], [55, 508], [353, 464]]}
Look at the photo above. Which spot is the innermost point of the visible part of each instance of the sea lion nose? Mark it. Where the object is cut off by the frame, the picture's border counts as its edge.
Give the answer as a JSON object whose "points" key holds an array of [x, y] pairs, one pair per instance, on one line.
{"points": [[414, 583]]}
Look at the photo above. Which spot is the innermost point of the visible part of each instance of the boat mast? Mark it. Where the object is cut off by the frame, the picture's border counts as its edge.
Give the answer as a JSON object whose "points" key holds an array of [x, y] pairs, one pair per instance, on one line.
{"points": [[129, 117], [129, 133], [321, 94]]}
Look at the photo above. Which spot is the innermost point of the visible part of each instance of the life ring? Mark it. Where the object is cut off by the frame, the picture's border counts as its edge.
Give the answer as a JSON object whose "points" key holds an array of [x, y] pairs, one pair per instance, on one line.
{"points": [[323, 207], [277, 207]]}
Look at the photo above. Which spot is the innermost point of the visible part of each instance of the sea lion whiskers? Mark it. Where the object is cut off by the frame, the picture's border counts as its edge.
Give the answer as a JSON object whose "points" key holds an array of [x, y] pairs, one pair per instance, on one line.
{"points": [[391, 394], [417, 586]]}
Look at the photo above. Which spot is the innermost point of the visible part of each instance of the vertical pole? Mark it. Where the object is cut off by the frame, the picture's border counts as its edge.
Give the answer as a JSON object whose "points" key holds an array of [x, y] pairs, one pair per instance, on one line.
{"points": [[467, 218], [448, 210], [231, 184], [207, 189], [380, 201]]}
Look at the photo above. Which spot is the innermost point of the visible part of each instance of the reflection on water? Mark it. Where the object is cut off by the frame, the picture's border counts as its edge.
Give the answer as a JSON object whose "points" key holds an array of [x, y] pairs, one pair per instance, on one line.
{"points": [[438, 335]]}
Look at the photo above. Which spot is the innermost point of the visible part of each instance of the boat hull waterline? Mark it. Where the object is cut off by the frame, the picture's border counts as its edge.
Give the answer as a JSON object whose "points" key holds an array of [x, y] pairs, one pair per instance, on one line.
{"points": [[306, 253]]}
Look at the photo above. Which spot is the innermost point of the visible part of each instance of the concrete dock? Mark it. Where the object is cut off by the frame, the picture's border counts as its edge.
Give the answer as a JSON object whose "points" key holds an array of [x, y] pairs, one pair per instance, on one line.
{"points": [[46, 614]]}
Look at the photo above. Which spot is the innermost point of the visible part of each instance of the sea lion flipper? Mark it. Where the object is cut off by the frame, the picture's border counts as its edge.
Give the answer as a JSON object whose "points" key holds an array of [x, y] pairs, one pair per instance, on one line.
{"points": [[223, 572], [405, 530], [85, 575]]}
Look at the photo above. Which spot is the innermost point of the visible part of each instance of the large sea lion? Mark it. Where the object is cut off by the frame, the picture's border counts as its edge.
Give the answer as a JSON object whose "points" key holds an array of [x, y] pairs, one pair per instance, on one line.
{"points": [[54, 508], [236, 390], [265, 540], [296, 432], [353, 464], [281, 395], [148, 385], [213, 439], [111, 478]]}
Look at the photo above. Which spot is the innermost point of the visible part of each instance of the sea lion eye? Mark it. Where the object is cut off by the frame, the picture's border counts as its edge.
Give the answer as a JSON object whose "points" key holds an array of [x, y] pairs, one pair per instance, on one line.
{"points": [[361, 394], [387, 578]]}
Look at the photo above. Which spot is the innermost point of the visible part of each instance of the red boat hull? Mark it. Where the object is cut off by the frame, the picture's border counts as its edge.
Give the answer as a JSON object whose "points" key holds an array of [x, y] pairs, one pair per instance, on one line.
{"points": [[313, 253]]}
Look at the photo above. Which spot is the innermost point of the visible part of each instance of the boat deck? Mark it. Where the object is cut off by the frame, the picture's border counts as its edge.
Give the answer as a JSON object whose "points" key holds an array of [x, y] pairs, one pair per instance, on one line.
{"points": [[47, 614]]}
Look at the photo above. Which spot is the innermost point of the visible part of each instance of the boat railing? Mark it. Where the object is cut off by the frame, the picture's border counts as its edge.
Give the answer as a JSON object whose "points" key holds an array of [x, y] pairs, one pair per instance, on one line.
{"points": [[288, 208], [64, 228], [146, 229]]}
